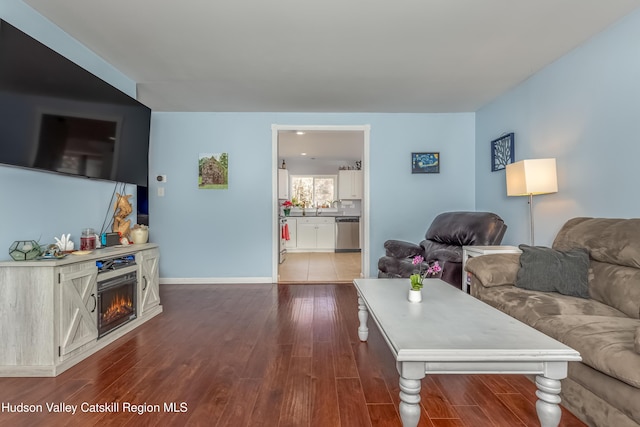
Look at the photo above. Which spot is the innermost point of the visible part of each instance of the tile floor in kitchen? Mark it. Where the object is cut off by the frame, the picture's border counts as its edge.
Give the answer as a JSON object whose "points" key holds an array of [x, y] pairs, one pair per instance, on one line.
{"points": [[320, 267]]}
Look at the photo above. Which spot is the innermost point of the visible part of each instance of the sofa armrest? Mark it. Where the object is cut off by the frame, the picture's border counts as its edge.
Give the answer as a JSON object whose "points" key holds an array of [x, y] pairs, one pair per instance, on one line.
{"points": [[402, 249], [494, 269]]}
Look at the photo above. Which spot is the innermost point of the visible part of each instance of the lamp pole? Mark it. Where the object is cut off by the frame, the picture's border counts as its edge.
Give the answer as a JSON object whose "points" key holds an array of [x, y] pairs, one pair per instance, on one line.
{"points": [[531, 216]]}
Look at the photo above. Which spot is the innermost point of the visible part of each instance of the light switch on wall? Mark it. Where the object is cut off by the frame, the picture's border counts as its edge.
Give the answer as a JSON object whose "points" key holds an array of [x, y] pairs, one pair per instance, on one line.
{"points": [[160, 191]]}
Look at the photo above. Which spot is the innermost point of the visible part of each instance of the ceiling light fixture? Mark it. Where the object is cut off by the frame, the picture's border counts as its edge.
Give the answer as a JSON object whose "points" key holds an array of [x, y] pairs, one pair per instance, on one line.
{"points": [[303, 154], [299, 132]]}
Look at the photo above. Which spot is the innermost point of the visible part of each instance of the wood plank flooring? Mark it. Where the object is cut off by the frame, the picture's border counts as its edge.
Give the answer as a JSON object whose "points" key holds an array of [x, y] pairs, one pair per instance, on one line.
{"points": [[260, 355], [323, 267]]}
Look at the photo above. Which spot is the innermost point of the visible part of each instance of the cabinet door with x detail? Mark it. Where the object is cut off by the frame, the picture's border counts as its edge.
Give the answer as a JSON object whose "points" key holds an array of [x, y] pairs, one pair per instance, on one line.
{"points": [[148, 280], [78, 303]]}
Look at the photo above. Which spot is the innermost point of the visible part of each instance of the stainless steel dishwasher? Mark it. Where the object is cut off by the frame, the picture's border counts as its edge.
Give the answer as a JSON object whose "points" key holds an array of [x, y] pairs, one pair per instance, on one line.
{"points": [[347, 234]]}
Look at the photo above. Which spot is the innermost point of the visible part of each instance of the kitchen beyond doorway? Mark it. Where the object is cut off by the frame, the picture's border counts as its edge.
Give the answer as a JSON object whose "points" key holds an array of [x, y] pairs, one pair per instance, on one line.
{"points": [[323, 153]]}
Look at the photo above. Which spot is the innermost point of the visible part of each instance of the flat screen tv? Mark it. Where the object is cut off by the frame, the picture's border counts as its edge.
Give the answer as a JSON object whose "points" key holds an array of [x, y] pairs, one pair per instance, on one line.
{"points": [[57, 117]]}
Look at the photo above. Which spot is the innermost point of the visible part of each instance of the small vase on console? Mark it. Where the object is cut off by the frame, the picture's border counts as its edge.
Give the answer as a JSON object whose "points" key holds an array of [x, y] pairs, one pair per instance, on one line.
{"points": [[139, 234]]}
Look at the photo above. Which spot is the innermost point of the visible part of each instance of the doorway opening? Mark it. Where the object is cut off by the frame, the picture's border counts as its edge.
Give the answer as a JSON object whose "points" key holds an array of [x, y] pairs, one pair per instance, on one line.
{"points": [[323, 171]]}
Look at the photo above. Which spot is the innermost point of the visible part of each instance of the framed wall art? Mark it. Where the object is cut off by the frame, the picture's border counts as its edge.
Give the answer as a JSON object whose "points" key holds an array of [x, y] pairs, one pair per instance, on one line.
{"points": [[213, 171], [502, 152], [425, 162]]}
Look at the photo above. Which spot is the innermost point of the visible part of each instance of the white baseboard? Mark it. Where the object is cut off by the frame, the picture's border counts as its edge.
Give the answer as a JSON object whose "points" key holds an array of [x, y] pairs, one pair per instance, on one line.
{"points": [[296, 250], [213, 280]]}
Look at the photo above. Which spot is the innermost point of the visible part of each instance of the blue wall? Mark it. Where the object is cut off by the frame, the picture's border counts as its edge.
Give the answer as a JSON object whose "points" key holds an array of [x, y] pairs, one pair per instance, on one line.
{"points": [[227, 233], [584, 110], [38, 205]]}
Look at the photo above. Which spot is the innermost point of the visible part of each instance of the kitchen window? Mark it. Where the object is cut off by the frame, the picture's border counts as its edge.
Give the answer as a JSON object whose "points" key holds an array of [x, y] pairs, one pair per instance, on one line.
{"points": [[314, 190]]}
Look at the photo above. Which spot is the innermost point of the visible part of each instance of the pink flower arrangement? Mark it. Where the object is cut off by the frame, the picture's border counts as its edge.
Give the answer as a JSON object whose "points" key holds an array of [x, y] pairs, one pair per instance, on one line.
{"points": [[417, 260], [433, 269], [416, 279]]}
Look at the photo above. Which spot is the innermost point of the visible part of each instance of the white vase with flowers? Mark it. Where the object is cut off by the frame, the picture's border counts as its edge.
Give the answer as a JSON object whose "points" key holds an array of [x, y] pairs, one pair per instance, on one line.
{"points": [[415, 293]]}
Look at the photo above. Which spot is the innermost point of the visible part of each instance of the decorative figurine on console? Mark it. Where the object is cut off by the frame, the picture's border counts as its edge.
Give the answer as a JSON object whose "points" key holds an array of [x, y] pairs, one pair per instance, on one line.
{"points": [[121, 210], [64, 243]]}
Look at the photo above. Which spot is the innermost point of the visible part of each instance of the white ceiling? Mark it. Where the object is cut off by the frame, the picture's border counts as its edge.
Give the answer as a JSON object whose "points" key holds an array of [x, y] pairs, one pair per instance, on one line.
{"points": [[330, 55], [325, 145]]}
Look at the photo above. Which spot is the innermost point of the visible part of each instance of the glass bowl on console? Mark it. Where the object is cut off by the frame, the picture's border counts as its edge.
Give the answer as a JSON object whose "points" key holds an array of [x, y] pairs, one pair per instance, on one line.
{"points": [[24, 250]]}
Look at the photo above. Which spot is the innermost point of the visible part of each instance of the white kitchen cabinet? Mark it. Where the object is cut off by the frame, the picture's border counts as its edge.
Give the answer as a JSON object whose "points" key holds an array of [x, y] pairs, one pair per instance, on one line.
{"points": [[326, 236], [149, 280], [316, 234], [306, 235], [292, 243], [350, 184], [283, 184]]}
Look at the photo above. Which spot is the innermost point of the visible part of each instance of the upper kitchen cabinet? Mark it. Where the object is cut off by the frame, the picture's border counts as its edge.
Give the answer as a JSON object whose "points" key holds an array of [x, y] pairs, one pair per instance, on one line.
{"points": [[350, 184], [283, 184]]}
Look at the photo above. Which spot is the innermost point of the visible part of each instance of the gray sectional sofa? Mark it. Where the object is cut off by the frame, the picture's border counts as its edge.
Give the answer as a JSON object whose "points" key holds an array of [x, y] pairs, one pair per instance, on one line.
{"points": [[604, 389]]}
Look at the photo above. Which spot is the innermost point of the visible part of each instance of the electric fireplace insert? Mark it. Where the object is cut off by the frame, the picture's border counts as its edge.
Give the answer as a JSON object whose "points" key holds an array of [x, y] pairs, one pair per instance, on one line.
{"points": [[117, 290]]}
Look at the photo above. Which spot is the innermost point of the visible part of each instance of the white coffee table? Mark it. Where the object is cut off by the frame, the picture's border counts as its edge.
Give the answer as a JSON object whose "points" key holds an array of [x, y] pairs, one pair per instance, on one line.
{"points": [[451, 332]]}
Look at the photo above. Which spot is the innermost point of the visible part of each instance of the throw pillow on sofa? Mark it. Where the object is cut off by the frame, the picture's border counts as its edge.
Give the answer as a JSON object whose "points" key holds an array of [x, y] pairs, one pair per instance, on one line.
{"points": [[549, 270]]}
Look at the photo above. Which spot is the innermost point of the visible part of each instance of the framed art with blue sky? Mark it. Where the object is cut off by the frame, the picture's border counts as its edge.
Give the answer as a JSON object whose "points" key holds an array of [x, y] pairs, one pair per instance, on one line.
{"points": [[425, 162]]}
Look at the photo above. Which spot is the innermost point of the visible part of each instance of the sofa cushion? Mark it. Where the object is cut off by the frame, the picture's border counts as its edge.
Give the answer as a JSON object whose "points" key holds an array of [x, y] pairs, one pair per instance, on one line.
{"points": [[616, 286], [550, 270], [494, 269], [402, 249], [615, 241], [530, 306], [604, 343], [598, 394], [434, 251], [636, 342], [396, 267], [466, 228]]}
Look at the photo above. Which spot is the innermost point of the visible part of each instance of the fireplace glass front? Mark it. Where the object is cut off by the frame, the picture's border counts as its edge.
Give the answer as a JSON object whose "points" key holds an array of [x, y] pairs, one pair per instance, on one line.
{"points": [[116, 302]]}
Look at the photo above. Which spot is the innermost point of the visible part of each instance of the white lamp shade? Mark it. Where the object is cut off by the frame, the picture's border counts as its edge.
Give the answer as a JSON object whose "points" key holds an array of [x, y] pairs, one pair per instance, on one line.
{"points": [[533, 176]]}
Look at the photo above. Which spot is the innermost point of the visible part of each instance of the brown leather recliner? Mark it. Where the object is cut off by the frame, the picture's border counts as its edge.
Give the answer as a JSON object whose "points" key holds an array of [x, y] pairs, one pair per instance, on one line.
{"points": [[446, 236]]}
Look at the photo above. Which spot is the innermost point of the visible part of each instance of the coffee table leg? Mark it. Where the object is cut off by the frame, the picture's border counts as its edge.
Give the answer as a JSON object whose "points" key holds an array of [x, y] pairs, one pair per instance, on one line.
{"points": [[549, 412], [411, 374], [409, 402], [363, 315]]}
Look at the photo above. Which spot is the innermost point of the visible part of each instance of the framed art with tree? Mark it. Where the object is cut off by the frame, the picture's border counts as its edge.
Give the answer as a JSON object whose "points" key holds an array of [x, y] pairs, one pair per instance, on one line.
{"points": [[502, 152]]}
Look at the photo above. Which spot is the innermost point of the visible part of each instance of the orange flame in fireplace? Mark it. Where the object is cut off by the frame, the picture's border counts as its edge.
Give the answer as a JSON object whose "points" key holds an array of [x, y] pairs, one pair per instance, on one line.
{"points": [[120, 306]]}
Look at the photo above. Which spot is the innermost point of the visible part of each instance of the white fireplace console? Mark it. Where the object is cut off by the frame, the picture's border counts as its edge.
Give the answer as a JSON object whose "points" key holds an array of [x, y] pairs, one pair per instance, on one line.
{"points": [[48, 319]]}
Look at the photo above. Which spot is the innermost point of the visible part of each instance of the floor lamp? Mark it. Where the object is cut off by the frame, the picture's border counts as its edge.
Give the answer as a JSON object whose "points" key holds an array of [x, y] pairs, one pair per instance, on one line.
{"points": [[530, 178]]}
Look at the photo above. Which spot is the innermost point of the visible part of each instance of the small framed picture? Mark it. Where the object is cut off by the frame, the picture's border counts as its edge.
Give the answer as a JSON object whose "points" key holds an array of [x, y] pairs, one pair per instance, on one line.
{"points": [[213, 173], [425, 162], [502, 152]]}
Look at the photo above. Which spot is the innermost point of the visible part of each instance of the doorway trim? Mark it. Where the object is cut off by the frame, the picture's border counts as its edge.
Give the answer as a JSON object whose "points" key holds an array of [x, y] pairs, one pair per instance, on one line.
{"points": [[365, 214]]}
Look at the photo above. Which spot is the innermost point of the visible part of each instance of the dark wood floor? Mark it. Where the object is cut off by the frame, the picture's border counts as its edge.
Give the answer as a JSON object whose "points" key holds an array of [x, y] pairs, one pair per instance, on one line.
{"points": [[262, 355]]}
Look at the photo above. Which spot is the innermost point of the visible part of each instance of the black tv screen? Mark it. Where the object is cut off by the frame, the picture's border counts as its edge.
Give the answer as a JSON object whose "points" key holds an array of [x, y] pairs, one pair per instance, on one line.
{"points": [[55, 116]]}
